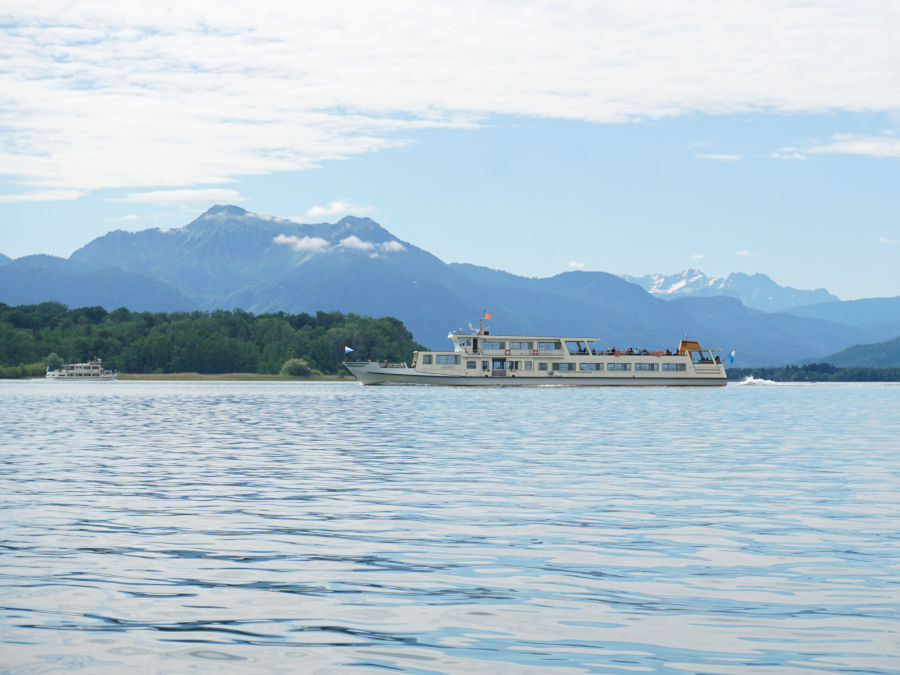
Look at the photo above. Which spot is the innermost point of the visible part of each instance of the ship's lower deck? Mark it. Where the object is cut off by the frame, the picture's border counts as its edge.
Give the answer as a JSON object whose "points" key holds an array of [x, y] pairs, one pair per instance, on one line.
{"points": [[373, 373]]}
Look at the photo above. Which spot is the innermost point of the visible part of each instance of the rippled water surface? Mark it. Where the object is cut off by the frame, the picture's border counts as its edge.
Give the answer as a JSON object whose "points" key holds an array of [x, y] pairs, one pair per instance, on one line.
{"points": [[264, 527]]}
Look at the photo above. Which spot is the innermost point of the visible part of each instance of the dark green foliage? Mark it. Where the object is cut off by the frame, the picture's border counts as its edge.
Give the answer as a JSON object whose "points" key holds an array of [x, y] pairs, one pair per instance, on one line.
{"points": [[816, 372], [203, 342], [296, 368]]}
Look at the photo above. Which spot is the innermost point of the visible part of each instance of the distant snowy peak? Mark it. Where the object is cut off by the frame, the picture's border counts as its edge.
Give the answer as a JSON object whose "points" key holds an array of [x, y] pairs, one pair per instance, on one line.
{"points": [[754, 290], [687, 282]]}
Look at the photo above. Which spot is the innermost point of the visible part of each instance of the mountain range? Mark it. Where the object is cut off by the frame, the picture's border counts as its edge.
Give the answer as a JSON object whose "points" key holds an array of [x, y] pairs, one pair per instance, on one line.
{"points": [[229, 257], [754, 290]]}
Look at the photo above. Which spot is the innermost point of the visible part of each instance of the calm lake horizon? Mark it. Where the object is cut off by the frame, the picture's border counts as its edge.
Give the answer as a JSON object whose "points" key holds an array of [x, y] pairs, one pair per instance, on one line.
{"points": [[257, 527]]}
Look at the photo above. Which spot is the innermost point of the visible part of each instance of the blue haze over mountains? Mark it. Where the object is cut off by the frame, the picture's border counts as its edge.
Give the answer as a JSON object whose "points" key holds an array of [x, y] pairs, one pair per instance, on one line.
{"points": [[230, 258]]}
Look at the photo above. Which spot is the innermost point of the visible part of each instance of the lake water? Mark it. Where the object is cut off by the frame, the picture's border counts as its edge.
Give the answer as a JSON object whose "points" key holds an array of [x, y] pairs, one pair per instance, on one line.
{"points": [[329, 527]]}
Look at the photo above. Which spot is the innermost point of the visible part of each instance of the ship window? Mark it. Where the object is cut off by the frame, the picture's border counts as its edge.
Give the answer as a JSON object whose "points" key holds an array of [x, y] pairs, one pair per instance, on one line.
{"points": [[618, 366], [447, 359], [563, 366], [471, 365], [520, 345], [426, 359], [590, 366], [528, 365], [674, 366], [546, 346], [646, 366], [464, 342], [485, 365], [492, 344], [542, 366]]}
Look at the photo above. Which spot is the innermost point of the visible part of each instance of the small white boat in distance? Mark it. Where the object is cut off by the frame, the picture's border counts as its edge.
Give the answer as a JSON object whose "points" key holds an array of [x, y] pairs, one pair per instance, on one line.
{"points": [[91, 371], [479, 358]]}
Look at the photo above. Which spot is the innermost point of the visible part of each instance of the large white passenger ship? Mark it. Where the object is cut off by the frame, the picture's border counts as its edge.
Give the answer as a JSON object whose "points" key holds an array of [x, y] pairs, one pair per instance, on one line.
{"points": [[479, 358]]}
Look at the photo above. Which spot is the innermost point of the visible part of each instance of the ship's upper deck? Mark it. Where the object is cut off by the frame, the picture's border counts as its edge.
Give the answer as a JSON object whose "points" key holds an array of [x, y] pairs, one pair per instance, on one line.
{"points": [[485, 343]]}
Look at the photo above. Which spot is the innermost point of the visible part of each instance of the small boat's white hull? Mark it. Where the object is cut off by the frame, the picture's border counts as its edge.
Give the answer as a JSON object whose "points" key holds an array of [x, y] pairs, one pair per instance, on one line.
{"points": [[92, 371], [374, 373]]}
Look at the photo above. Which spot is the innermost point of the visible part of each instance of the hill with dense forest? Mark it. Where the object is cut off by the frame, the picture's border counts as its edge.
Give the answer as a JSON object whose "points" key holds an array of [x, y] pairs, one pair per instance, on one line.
{"points": [[31, 336], [877, 355]]}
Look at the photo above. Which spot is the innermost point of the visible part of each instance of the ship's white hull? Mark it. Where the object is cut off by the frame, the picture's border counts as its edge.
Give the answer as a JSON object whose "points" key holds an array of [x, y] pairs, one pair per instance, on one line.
{"points": [[372, 373]]}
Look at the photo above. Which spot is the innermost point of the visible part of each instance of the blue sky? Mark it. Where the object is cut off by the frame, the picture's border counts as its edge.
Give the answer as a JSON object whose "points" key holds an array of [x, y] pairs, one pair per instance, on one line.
{"points": [[536, 138]]}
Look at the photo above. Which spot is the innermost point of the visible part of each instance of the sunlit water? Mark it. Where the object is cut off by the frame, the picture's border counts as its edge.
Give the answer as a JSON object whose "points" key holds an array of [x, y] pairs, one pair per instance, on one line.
{"points": [[266, 527]]}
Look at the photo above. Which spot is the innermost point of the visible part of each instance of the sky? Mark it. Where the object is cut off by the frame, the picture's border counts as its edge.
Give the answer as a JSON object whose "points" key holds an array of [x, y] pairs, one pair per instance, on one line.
{"points": [[535, 137]]}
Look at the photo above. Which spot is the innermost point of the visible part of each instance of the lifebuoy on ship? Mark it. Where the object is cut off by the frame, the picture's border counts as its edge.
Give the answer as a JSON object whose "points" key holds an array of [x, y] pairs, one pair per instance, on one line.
{"points": [[534, 352], [507, 352]]}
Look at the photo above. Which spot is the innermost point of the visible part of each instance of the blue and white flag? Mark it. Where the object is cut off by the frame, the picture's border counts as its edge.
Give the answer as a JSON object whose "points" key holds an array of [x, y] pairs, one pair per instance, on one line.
{"points": [[347, 350], [731, 357]]}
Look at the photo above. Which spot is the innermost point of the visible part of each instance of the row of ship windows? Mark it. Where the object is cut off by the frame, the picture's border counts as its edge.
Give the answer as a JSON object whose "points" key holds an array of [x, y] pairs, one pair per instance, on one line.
{"points": [[512, 344], [454, 359]]}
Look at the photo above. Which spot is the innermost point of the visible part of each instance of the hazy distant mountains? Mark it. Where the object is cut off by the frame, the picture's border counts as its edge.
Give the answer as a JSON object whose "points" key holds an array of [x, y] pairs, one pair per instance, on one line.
{"points": [[37, 278], [754, 290], [231, 258], [879, 355]]}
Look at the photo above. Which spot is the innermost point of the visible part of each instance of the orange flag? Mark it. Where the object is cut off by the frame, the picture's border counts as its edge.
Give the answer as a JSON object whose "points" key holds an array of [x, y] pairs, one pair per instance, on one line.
{"points": [[487, 316]]}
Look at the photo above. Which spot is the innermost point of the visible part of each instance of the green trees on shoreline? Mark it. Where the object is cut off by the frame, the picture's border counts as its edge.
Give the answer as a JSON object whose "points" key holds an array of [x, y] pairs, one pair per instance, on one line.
{"points": [[204, 342], [816, 372]]}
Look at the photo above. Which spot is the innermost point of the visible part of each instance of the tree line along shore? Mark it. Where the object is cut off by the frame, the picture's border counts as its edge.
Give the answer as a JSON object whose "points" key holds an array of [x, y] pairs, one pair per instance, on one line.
{"points": [[33, 337], [242, 345], [816, 372]]}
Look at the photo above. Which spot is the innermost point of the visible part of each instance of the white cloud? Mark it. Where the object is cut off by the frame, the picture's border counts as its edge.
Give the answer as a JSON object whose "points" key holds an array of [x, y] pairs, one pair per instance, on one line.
{"points": [[302, 244], [885, 240], [339, 207], [356, 243], [392, 246], [884, 146], [788, 153], [697, 256], [718, 157], [181, 198], [127, 218], [575, 265], [743, 252], [41, 196], [131, 95]]}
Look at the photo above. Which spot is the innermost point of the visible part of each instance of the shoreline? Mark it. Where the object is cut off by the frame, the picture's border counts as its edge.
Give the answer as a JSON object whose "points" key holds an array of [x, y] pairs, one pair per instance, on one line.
{"points": [[232, 377]]}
